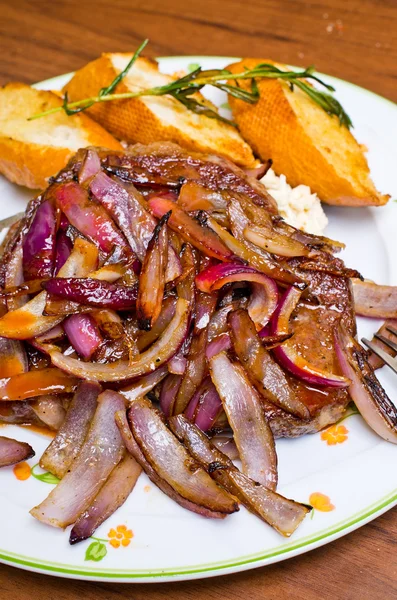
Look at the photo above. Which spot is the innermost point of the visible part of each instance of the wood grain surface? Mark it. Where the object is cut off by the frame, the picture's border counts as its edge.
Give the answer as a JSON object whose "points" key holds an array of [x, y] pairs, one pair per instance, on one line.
{"points": [[352, 39]]}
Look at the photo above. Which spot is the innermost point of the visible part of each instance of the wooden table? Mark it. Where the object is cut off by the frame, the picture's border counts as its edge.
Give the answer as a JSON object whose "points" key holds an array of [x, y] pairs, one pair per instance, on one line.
{"points": [[352, 39]]}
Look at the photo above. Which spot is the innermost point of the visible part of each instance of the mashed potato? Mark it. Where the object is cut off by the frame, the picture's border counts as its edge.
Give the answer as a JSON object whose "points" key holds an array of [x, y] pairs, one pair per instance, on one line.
{"points": [[298, 206]]}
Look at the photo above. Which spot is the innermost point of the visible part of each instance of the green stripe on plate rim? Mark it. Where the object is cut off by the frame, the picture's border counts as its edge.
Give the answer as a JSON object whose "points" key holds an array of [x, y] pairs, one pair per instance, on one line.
{"points": [[59, 568]]}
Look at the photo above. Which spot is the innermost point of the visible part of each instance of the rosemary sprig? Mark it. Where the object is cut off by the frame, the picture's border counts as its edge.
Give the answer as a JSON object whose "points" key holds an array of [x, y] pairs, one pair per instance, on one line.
{"points": [[184, 88]]}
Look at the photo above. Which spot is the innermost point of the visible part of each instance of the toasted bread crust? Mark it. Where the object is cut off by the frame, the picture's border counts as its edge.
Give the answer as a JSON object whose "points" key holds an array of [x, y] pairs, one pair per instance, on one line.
{"points": [[274, 127], [26, 161], [133, 121]]}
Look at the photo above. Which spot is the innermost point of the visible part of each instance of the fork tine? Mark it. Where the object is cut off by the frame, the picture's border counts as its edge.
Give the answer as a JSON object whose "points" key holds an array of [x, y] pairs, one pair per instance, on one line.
{"points": [[392, 330], [391, 362], [387, 342]]}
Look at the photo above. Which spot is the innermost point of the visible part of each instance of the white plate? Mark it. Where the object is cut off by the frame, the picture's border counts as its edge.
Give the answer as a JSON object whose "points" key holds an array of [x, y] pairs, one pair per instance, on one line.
{"points": [[170, 543]]}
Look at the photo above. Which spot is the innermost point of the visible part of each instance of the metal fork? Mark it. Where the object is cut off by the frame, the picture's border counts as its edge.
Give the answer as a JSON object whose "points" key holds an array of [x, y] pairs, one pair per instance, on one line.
{"points": [[387, 359]]}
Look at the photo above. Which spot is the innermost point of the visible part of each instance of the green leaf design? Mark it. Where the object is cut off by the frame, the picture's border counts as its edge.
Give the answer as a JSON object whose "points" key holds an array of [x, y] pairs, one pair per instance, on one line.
{"points": [[225, 105], [45, 477], [96, 551], [193, 67]]}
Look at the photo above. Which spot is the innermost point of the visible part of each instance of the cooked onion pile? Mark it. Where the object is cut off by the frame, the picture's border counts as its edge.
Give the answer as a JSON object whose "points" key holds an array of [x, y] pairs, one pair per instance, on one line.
{"points": [[152, 300]]}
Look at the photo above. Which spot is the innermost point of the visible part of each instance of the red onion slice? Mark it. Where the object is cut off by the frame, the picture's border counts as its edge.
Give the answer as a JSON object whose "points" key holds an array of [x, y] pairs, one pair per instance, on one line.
{"points": [[195, 371], [226, 445], [193, 196], [177, 364], [219, 344], [287, 354], [12, 451], [90, 166], [252, 433], [36, 383], [50, 410], [172, 462], [127, 209], [152, 277], [83, 334], [14, 278], [264, 297], [190, 229], [209, 406], [168, 393], [101, 452], [66, 445], [372, 300], [93, 292], [134, 449], [39, 244], [282, 514], [64, 247], [143, 385], [267, 376], [147, 338], [111, 496], [275, 243], [370, 398], [89, 218], [158, 354]]}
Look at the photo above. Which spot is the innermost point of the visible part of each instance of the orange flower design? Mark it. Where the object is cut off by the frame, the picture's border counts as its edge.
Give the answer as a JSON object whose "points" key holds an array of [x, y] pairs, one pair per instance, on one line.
{"points": [[321, 502], [336, 434], [121, 536], [22, 471]]}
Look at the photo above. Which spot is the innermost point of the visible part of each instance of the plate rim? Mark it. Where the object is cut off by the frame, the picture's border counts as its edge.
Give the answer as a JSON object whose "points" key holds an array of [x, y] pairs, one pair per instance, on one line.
{"points": [[243, 563]]}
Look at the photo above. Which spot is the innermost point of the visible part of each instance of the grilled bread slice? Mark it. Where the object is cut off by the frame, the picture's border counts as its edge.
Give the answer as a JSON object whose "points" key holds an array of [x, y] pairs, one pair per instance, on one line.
{"points": [[32, 151], [150, 118], [306, 144]]}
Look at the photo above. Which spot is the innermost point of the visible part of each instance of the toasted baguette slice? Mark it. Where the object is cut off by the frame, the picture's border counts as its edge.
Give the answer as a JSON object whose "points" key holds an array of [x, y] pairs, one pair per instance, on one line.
{"points": [[153, 119], [32, 151], [306, 144]]}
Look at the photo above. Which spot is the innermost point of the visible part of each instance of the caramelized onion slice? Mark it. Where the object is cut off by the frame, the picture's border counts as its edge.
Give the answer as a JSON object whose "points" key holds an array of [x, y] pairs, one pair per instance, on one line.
{"points": [[101, 452], [83, 334], [12, 451], [92, 292], [134, 449], [260, 261], [39, 243], [282, 514], [372, 300], [264, 298], [195, 371], [152, 276], [111, 496], [172, 462], [243, 409], [66, 445], [367, 393], [156, 355], [89, 218], [190, 229], [267, 376], [287, 354], [143, 385]]}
